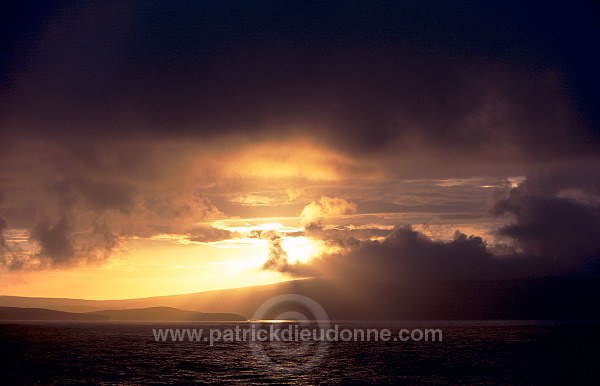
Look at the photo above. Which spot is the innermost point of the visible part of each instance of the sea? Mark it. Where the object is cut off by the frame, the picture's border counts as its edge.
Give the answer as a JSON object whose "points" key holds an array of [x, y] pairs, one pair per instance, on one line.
{"points": [[470, 352]]}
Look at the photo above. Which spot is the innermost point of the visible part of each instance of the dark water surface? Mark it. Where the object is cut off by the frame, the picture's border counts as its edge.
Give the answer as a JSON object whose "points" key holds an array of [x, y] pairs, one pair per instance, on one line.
{"points": [[500, 352]]}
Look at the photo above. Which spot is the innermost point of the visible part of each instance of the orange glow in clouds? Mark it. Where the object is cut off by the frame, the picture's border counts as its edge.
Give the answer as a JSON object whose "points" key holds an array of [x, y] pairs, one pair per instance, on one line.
{"points": [[297, 158], [297, 248]]}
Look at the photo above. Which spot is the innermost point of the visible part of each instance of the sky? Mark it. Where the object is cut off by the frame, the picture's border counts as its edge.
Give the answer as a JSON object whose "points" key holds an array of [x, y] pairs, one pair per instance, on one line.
{"points": [[151, 148]]}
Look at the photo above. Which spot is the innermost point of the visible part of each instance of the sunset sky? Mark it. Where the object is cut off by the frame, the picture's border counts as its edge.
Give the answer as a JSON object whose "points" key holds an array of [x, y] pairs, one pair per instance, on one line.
{"points": [[152, 148]]}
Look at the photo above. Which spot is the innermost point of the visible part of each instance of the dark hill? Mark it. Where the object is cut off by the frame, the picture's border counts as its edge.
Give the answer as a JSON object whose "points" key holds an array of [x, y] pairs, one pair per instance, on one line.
{"points": [[165, 314], [16, 313]]}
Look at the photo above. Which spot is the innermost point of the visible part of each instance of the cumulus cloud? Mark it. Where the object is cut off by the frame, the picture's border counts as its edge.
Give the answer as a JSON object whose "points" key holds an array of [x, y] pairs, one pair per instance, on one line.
{"points": [[69, 223], [76, 233], [550, 232], [555, 212], [80, 206], [326, 207], [408, 255], [404, 253]]}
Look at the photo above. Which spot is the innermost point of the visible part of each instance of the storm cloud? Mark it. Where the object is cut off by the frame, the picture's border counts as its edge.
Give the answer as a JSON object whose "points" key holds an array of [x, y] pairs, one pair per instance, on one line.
{"points": [[555, 213], [553, 228], [135, 119], [363, 79]]}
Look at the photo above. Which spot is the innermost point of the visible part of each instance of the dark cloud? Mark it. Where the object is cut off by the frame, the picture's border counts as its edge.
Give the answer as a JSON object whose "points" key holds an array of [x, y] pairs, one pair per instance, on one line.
{"points": [[553, 230], [63, 245], [552, 226], [340, 235], [208, 234], [555, 213], [77, 229], [360, 77], [107, 108], [56, 241], [3, 227], [278, 257], [408, 255], [100, 195], [79, 203], [404, 253], [579, 175]]}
